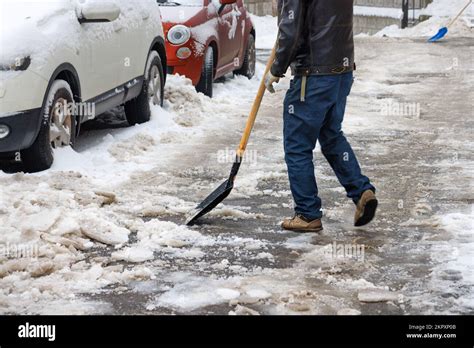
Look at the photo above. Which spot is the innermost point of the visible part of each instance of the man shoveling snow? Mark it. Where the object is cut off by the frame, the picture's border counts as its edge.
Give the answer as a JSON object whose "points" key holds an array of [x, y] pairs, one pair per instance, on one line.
{"points": [[316, 40]]}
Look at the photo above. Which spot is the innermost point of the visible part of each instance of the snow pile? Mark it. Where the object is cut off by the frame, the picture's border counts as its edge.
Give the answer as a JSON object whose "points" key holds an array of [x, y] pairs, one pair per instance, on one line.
{"points": [[45, 231], [447, 8], [49, 235], [441, 12], [119, 153]]}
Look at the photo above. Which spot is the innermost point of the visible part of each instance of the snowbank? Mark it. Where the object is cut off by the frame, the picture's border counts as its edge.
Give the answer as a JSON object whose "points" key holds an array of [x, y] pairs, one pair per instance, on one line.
{"points": [[441, 12], [447, 8]]}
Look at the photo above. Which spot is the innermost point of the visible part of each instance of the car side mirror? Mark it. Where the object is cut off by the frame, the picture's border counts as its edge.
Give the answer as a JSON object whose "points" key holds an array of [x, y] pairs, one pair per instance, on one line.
{"points": [[98, 12]]}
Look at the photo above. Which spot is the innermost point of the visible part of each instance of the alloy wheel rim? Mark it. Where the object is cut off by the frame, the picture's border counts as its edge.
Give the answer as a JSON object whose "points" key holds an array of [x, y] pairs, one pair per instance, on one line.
{"points": [[154, 86], [61, 124]]}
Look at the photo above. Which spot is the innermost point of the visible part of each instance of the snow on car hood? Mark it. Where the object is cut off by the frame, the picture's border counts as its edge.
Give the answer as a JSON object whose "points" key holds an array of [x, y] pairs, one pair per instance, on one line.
{"points": [[27, 27], [179, 14]]}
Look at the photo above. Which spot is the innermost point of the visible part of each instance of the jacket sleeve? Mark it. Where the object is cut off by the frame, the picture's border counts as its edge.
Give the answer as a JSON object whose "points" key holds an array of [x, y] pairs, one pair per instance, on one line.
{"points": [[291, 21]]}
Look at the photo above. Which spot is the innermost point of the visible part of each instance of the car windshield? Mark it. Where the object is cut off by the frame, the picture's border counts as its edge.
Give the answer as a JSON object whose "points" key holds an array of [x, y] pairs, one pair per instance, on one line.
{"points": [[181, 2]]}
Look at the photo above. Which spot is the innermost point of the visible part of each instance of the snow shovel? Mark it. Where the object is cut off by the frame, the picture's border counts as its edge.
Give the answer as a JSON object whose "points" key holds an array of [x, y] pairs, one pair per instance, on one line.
{"points": [[444, 30], [226, 187]]}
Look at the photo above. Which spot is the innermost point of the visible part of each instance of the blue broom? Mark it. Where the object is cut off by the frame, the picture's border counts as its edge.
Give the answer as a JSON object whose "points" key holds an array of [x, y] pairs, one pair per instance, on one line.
{"points": [[444, 30]]}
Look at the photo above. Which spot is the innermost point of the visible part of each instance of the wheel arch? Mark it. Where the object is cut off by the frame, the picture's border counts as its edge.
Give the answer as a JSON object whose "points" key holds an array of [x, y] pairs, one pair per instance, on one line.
{"points": [[158, 45], [68, 73]]}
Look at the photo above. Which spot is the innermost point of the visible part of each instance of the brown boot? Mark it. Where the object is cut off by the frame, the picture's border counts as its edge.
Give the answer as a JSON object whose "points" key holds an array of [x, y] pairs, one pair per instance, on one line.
{"points": [[300, 224], [366, 208]]}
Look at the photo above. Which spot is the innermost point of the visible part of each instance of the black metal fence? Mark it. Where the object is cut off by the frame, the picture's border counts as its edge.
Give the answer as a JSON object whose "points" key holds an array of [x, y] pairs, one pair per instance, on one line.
{"points": [[410, 10]]}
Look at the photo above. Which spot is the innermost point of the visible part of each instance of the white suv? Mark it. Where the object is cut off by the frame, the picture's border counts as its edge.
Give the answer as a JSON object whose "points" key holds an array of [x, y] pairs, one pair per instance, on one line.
{"points": [[63, 62]]}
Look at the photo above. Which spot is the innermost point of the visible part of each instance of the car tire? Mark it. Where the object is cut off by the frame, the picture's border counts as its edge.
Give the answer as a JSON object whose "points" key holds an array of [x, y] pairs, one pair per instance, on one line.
{"points": [[248, 67], [138, 110], [58, 128], [207, 74]]}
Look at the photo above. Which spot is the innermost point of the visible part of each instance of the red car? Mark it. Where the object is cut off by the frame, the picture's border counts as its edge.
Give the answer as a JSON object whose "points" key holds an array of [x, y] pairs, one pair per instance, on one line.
{"points": [[206, 39]]}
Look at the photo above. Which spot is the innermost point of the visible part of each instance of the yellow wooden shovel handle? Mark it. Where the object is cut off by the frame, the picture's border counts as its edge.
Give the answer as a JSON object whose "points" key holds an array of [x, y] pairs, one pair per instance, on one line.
{"points": [[255, 107]]}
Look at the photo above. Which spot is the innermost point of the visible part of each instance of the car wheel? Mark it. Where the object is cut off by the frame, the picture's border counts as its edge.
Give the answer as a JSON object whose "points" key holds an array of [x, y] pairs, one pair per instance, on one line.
{"points": [[207, 74], [138, 110], [57, 128], [248, 67]]}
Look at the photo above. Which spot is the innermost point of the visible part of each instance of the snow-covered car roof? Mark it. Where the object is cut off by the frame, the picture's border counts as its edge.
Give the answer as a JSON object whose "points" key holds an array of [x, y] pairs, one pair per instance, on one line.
{"points": [[37, 27]]}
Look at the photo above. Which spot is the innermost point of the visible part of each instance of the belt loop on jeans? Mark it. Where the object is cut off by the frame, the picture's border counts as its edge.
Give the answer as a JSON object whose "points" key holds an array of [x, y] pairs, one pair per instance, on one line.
{"points": [[303, 88]]}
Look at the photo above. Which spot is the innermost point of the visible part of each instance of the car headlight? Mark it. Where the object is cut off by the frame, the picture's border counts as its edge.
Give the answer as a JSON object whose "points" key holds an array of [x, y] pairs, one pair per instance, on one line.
{"points": [[179, 34], [20, 64]]}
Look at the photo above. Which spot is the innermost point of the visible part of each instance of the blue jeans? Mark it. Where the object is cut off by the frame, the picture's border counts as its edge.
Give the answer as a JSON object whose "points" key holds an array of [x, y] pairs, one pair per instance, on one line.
{"points": [[319, 117]]}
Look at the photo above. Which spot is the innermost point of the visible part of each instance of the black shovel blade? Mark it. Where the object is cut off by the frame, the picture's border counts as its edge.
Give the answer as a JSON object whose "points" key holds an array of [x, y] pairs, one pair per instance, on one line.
{"points": [[215, 197]]}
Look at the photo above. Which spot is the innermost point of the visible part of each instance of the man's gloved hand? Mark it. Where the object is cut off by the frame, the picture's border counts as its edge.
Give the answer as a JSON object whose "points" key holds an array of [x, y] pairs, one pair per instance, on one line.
{"points": [[270, 80]]}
